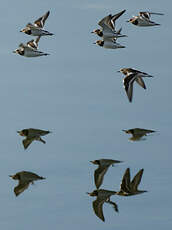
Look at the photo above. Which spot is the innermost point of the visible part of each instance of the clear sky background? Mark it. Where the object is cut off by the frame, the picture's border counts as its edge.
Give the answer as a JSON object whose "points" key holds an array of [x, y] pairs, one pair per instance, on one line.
{"points": [[77, 94]]}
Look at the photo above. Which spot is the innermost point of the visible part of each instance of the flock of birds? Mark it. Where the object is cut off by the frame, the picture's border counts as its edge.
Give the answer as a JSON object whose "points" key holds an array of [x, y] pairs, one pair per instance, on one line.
{"points": [[26, 178], [110, 35], [30, 49], [127, 187]]}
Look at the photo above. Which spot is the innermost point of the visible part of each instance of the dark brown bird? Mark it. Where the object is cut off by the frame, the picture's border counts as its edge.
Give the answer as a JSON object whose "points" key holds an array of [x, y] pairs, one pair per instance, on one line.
{"points": [[103, 165], [102, 197], [25, 178], [138, 133], [130, 188], [32, 135]]}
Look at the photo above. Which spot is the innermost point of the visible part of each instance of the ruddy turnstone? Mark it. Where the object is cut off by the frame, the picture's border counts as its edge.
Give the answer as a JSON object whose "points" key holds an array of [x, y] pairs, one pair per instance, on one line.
{"points": [[36, 29], [143, 19], [32, 135], [106, 32], [131, 76], [108, 27], [27, 51], [25, 178], [103, 165], [130, 188], [109, 43], [103, 196], [138, 133]]}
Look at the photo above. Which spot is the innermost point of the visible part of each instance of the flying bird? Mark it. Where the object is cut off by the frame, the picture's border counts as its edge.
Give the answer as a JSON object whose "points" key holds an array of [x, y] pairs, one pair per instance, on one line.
{"points": [[36, 29], [32, 135], [103, 196], [107, 25], [132, 75], [28, 51], [138, 133], [25, 179], [143, 19], [128, 187], [103, 165]]}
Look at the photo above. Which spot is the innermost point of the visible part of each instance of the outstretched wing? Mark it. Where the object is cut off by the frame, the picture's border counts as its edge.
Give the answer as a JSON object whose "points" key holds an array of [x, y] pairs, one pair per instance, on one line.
{"points": [[136, 180], [27, 142], [125, 184], [21, 187], [128, 85], [33, 43], [147, 14], [114, 18], [98, 208], [140, 81], [99, 175], [104, 21], [41, 21]]}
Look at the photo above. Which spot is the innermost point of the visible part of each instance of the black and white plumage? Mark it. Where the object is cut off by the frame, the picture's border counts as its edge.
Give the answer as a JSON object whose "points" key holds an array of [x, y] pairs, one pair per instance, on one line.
{"points": [[111, 19], [143, 19], [107, 25], [132, 75], [33, 43], [27, 51], [109, 43], [36, 29]]}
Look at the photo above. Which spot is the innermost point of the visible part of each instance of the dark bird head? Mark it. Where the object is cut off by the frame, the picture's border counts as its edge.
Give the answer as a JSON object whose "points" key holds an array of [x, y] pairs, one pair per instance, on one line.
{"points": [[98, 32], [126, 131], [26, 30], [15, 177], [23, 132], [96, 162], [133, 21], [124, 71], [99, 42], [94, 193]]}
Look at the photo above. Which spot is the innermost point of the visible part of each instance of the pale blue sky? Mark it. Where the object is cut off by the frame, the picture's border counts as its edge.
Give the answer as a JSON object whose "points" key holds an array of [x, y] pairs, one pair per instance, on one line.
{"points": [[78, 95]]}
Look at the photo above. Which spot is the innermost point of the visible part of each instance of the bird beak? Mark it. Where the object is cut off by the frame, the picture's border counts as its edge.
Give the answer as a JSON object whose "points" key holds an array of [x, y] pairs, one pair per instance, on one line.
{"points": [[118, 71], [10, 176], [92, 162], [94, 42], [14, 51], [92, 32], [128, 21]]}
